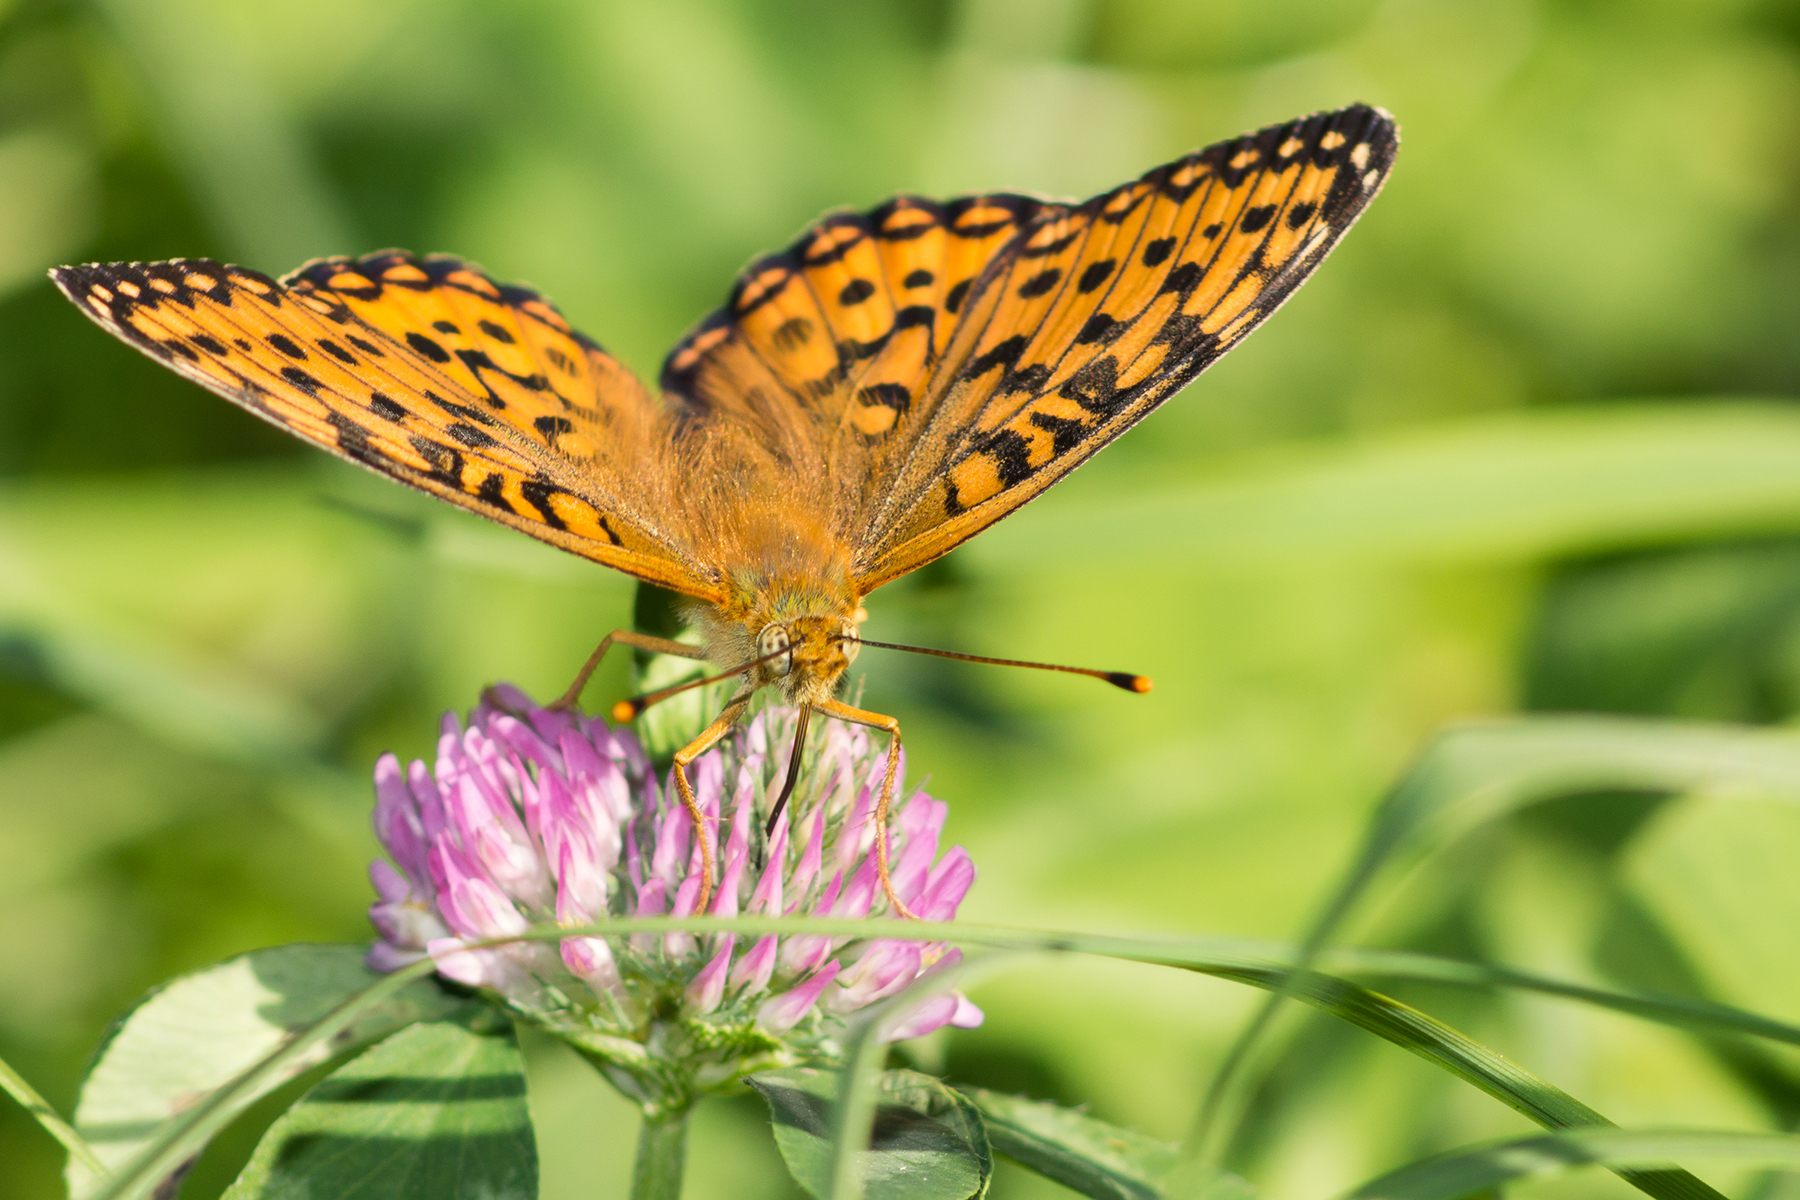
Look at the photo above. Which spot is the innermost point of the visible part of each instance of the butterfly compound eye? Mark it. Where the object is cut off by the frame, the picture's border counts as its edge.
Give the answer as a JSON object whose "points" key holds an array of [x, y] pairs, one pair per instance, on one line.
{"points": [[773, 640]]}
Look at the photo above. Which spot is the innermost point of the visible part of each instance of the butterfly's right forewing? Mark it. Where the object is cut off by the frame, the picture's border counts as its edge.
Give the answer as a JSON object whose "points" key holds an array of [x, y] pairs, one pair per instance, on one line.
{"points": [[1091, 317]]}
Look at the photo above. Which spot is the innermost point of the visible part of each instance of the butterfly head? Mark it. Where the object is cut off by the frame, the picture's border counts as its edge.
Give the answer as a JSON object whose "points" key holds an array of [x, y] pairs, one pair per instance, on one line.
{"points": [[810, 655]]}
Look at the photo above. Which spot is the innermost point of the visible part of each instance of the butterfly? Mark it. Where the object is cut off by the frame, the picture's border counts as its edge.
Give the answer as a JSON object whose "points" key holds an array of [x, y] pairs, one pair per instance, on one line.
{"points": [[888, 386]]}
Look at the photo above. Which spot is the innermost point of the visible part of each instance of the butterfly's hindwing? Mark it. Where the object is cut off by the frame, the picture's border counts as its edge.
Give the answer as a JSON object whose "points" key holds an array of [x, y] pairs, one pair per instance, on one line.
{"points": [[848, 319], [422, 369]]}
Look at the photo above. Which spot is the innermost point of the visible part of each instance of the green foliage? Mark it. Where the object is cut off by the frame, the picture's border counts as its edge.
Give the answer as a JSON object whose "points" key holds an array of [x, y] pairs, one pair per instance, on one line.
{"points": [[437, 1109], [1418, 496], [927, 1141]]}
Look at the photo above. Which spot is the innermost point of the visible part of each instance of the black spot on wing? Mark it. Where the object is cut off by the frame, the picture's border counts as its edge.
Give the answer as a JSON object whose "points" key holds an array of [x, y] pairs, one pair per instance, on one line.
{"points": [[446, 463], [792, 334], [336, 351], [1100, 328], [1056, 246], [1095, 275], [957, 295], [1066, 433], [1256, 219], [499, 333], [537, 493], [491, 490], [301, 380], [470, 436], [462, 411], [896, 396], [1183, 278], [1011, 454], [1300, 214], [478, 361], [426, 346], [1026, 379], [1158, 250], [914, 315], [1005, 354], [365, 345], [385, 408], [918, 278], [1040, 283], [855, 292], [209, 344], [353, 439], [445, 326], [1096, 387], [286, 345]]}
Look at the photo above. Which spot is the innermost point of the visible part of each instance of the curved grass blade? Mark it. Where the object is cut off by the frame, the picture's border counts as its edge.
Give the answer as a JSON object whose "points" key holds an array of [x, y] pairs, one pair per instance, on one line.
{"points": [[1476, 773], [14, 1085], [1681, 1012], [1479, 1168], [854, 1115]]}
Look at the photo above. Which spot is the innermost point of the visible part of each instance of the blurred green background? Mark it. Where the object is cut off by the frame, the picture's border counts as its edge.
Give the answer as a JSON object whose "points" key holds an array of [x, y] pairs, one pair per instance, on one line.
{"points": [[1527, 442]]}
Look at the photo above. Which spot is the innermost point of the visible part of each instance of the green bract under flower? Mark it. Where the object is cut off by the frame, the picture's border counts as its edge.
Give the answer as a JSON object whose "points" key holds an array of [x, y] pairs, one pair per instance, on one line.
{"points": [[534, 816]]}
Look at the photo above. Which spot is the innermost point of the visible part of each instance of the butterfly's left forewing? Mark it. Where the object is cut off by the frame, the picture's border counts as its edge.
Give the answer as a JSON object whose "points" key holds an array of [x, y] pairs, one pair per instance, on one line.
{"points": [[1088, 318], [426, 371]]}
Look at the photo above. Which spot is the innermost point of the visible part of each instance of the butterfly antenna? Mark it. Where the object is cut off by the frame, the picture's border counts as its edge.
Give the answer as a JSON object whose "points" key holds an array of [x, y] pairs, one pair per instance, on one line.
{"points": [[1119, 679], [793, 771], [630, 710]]}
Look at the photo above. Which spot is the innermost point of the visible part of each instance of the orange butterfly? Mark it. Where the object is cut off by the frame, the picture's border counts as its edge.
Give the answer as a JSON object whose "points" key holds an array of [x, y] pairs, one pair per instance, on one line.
{"points": [[890, 385]]}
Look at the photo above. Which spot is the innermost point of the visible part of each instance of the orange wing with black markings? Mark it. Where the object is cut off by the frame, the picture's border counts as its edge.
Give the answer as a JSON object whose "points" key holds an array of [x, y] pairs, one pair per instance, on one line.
{"points": [[1090, 317], [425, 370], [844, 325]]}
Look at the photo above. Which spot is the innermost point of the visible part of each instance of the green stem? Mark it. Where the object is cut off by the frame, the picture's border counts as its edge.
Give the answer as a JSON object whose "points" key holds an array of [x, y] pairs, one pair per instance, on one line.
{"points": [[15, 1086], [661, 1154]]}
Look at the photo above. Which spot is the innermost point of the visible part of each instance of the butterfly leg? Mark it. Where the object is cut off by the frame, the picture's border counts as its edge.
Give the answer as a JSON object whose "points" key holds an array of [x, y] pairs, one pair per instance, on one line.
{"points": [[891, 727], [624, 637], [709, 737]]}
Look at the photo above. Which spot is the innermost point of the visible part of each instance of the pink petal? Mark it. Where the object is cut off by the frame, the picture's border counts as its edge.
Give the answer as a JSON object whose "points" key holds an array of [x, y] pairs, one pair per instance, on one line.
{"points": [[779, 1014], [397, 821], [766, 899], [592, 961], [754, 969], [708, 987], [933, 1013], [813, 859], [949, 883]]}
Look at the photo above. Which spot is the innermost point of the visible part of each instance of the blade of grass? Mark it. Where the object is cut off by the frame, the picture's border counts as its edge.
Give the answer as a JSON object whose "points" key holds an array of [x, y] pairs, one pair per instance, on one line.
{"points": [[1476, 1169], [15, 1086], [855, 1114], [1476, 773], [1677, 1011]]}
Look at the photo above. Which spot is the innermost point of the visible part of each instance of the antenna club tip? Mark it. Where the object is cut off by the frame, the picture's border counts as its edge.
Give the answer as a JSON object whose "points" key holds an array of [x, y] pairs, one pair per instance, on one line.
{"points": [[1131, 683], [624, 712]]}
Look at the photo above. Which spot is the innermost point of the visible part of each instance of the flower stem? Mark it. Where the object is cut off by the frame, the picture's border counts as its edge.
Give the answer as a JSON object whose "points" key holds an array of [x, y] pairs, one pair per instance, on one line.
{"points": [[15, 1086], [661, 1154]]}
